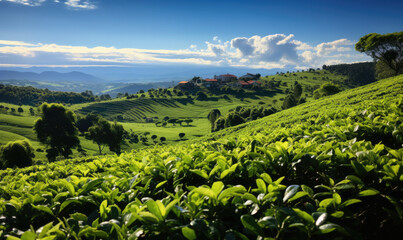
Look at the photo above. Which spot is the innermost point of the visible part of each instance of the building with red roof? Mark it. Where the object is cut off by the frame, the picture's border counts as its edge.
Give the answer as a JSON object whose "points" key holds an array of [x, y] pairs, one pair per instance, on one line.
{"points": [[227, 78]]}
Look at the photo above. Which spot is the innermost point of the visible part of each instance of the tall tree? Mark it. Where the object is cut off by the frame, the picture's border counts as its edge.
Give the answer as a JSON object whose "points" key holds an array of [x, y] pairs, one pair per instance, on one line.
{"points": [[212, 117], [385, 48], [100, 133], [56, 128], [116, 138]]}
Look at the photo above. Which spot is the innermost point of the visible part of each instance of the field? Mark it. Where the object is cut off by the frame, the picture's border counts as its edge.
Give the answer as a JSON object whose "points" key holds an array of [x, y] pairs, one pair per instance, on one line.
{"points": [[327, 169]]}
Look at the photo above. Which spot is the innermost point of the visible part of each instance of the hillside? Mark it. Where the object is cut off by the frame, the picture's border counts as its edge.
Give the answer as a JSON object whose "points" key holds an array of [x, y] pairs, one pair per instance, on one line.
{"points": [[131, 112], [327, 169]]}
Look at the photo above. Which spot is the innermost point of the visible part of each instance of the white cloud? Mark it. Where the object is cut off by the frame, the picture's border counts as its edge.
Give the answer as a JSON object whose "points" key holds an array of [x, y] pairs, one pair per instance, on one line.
{"points": [[33, 3], [271, 51], [325, 49], [83, 4], [73, 4]]}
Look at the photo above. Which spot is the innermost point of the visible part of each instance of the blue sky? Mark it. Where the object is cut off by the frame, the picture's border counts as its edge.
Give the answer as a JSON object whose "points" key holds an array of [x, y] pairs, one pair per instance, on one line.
{"points": [[252, 33]]}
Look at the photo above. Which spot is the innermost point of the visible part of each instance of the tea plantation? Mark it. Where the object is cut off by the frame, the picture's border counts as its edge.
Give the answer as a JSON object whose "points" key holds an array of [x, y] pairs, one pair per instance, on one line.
{"points": [[327, 169]]}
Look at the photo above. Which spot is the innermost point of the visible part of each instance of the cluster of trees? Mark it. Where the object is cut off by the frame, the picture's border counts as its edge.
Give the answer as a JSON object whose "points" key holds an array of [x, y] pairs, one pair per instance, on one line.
{"points": [[237, 116], [386, 50], [294, 96], [58, 129], [142, 137], [164, 122], [358, 73], [156, 93], [33, 96]]}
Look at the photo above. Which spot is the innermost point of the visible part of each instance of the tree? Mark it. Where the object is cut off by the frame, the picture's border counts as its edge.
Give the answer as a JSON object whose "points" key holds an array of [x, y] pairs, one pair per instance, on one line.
{"points": [[18, 153], [233, 119], [100, 133], [188, 120], [153, 137], [84, 123], [181, 135], [201, 96], [117, 134], [20, 110], [162, 139], [385, 48], [289, 101], [297, 91], [56, 128], [173, 121], [213, 115]]}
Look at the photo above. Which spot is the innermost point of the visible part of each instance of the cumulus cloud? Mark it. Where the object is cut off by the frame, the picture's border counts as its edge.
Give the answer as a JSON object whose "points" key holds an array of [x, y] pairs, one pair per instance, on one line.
{"points": [[83, 4], [271, 51], [73, 4], [271, 48], [325, 49], [33, 3]]}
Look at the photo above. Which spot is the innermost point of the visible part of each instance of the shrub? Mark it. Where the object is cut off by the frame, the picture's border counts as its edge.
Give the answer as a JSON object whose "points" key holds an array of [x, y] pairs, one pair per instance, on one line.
{"points": [[18, 153]]}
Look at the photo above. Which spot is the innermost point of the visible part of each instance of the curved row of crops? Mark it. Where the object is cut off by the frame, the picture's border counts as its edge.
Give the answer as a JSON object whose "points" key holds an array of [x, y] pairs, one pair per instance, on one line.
{"points": [[337, 175], [134, 109]]}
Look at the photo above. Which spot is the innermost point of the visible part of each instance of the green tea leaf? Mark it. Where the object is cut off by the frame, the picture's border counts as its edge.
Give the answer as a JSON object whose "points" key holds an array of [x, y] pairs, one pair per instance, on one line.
{"points": [[290, 191], [189, 233], [304, 215], [28, 236], [368, 192], [249, 223]]}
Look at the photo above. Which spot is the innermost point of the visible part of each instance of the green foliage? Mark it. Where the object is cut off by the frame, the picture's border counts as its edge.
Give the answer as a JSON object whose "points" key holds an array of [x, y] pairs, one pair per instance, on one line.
{"points": [[213, 115], [358, 73], [326, 89], [56, 128], [103, 133], [34, 96], [386, 48], [84, 123], [330, 170], [16, 154], [201, 96], [289, 101]]}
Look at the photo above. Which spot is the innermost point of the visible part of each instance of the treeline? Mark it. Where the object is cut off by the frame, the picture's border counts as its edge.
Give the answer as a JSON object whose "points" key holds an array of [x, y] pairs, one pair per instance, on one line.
{"points": [[358, 73], [35, 96]]}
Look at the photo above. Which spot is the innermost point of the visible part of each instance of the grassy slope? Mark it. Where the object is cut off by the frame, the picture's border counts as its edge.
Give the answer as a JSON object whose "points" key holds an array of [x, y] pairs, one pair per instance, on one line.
{"points": [[360, 96]]}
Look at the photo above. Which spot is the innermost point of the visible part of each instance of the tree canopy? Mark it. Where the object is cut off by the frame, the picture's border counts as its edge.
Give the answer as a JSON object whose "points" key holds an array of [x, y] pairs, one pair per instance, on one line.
{"points": [[385, 48], [18, 153], [103, 133], [56, 128]]}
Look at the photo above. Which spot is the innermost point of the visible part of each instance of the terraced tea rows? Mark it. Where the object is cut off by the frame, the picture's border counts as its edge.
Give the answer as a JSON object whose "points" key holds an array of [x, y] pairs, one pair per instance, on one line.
{"points": [[134, 109]]}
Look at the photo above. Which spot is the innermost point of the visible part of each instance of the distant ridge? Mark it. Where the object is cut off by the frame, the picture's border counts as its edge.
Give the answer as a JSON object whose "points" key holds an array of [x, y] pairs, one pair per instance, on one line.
{"points": [[49, 76]]}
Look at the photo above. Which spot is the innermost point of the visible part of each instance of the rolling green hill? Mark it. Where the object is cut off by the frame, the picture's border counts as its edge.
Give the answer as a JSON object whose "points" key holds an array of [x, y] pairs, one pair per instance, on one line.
{"points": [[327, 169], [132, 111]]}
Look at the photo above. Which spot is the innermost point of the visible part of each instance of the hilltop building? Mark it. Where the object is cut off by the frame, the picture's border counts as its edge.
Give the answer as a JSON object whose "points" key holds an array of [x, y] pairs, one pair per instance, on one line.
{"points": [[225, 78]]}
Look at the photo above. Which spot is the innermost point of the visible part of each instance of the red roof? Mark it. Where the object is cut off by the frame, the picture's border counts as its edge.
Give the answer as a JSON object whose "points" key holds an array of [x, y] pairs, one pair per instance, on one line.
{"points": [[258, 82], [229, 75], [243, 83], [183, 82], [251, 82], [210, 80]]}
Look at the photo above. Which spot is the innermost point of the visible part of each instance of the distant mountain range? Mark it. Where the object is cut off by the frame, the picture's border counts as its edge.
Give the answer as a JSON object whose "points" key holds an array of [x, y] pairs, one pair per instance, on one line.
{"points": [[135, 74], [50, 76]]}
